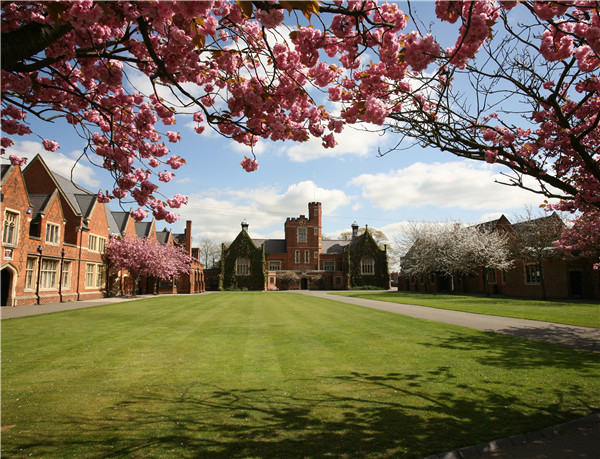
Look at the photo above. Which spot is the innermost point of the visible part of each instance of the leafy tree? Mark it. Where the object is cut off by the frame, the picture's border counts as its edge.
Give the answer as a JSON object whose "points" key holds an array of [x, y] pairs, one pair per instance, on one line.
{"points": [[519, 87], [143, 257], [287, 278], [453, 250]]}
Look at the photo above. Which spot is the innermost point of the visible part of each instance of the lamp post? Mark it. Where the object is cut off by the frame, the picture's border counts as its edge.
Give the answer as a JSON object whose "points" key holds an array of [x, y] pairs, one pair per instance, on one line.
{"points": [[40, 249], [60, 279]]}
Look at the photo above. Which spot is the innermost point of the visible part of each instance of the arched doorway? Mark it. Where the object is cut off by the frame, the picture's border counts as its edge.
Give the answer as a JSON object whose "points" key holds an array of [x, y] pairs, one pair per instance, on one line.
{"points": [[304, 283], [6, 280]]}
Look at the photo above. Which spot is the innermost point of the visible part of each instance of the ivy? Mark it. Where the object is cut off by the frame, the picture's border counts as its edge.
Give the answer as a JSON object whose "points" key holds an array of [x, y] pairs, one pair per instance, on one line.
{"points": [[242, 247]]}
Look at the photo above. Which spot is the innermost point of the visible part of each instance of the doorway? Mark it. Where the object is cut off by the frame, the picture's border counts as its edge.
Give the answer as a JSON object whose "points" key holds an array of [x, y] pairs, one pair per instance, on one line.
{"points": [[304, 283], [576, 284], [6, 281]]}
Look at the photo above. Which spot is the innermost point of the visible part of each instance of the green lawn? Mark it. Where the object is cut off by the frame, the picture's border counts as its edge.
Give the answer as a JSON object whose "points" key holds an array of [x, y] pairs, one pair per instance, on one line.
{"points": [[273, 375], [562, 312]]}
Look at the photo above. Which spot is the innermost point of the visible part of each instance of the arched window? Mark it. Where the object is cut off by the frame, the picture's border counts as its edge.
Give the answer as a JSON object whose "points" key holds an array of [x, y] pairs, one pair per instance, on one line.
{"points": [[242, 267], [367, 265]]}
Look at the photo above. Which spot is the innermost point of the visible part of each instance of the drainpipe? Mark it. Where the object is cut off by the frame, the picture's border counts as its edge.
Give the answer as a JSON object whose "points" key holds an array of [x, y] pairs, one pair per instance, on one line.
{"points": [[40, 249], [60, 279]]}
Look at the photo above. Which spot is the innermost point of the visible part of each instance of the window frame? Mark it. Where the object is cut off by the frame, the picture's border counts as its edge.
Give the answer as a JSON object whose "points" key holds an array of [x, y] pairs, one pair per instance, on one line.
{"points": [[242, 266], [490, 275], [55, 240], [31, 273], [306, 256], [297, 257], [302, 234], [367, 265], [49, 274], [14, 228], [275, 265], [96, 276], [330, 263], [529, 274], [66, 275]]}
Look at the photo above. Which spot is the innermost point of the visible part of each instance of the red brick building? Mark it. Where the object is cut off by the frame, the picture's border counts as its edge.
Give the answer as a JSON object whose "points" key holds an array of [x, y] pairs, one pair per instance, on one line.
{"points": [[303, 260], [550, 274], [54, 233]]}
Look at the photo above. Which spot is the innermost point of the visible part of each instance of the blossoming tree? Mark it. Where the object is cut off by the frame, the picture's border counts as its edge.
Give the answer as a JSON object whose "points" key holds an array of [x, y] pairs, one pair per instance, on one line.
{"points": [[143, 257], [519, 86]]}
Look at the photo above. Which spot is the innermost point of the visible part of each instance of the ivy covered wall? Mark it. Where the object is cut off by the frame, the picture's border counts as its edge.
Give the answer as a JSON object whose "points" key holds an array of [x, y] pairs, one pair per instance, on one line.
{"points": [[363, 246], [242, 247]]}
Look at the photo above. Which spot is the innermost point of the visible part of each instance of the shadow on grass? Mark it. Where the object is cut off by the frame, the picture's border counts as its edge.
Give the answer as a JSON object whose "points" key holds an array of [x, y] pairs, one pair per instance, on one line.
{"points": [[358, 415], [579, 338], [529, 352]]}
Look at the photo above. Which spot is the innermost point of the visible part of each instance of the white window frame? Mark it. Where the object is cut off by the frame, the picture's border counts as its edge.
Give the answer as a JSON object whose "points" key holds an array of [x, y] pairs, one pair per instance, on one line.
{"points": [[242, 267], [275, 265], [49, 274], [307, 256], [10, 227], [367, 266], [96, 243], [297, 256], [329, 265], [66, 274], [31, 273], [302, 234], [52, 233], [94, 275]]}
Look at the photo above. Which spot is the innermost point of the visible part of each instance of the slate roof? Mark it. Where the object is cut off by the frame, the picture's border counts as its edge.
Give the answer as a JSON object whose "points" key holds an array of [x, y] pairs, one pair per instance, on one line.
{"points": [[163, 236], [38, 202], [113, 226], [142, 229], [120, 219], [80, 198], [338, 246], [5, 168], [271, 245]]}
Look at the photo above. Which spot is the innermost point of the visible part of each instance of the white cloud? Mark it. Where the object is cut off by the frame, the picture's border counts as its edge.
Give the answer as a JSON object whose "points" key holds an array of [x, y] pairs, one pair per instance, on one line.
{"points": [[60, 163], [217, 214], [353, 141], [463, 184]]}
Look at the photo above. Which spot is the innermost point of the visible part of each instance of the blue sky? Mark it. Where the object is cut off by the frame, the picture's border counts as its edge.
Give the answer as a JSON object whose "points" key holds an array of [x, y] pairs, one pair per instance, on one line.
{"points": [[351, 181]]}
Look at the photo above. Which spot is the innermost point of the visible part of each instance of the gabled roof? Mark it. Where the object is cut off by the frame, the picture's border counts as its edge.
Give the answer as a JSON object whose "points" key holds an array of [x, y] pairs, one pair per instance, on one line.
{"points": [[492, 224], [120, 219], [142, 229], [549, 221], [5, 169], [163, 236], [113, 226], [38, 203], [271, 245]]}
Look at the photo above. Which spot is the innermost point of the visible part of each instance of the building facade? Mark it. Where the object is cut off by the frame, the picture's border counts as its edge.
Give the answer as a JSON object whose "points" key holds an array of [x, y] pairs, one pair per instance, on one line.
{"points": [[303, 260], [54, 233]]}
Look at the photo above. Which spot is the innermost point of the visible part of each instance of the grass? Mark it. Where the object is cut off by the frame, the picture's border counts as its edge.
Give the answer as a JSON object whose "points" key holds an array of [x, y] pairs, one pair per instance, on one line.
{"points": [[562, 312], [273, 375]]}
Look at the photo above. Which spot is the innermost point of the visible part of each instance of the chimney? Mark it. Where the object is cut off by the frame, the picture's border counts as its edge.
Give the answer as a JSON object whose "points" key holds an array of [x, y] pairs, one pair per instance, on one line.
{"points": [[354, 230], [188, 237]]}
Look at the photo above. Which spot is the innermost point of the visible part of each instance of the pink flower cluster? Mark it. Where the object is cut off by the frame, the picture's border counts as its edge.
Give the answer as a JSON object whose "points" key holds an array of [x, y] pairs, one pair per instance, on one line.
{"points": [[249, 165]]}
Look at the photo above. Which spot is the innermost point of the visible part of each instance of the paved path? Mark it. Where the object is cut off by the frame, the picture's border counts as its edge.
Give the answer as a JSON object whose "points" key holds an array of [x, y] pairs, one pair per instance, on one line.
{"points": [[566, 335]]}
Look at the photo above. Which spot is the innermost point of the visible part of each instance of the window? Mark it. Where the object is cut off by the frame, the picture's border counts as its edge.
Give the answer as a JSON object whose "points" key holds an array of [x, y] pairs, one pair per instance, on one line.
{"points": [[30, 273], [338, 280], [52, 232], [49, 274], [275, 266], [297, 256], [329, 265], [490, 274], [367, 265], [316, 230], [66, 275], [96, 243], [11, 227], [302, 234], [533, 274], [94, 275], [316, 255], [242, 267], [306, 256]]}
